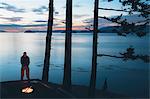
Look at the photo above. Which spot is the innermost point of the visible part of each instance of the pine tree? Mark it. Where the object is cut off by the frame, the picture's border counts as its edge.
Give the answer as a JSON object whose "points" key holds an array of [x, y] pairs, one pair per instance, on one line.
{"points": [[94, 53], [48, 43], [68, 39]]}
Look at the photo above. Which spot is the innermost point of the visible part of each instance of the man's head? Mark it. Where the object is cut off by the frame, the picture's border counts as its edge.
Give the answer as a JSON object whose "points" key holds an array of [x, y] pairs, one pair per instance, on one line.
{"points": [[24, 53]]}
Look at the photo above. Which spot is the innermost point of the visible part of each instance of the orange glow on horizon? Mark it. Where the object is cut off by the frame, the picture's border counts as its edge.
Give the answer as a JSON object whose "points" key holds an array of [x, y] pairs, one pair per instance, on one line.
{"points": [[14, 30]]}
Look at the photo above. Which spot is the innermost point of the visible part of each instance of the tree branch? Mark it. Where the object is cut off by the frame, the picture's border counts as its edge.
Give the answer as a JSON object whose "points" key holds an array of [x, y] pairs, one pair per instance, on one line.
{"points": [[109, 55], [129, 54], [113, 9]]}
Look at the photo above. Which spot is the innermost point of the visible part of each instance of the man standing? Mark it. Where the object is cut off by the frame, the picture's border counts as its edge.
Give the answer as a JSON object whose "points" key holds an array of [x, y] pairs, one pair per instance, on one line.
{"points": [[25, 61]]}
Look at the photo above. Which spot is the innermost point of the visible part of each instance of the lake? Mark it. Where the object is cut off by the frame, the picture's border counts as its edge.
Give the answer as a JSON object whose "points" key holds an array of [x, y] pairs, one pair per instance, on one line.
{"points": [[125, 77]]}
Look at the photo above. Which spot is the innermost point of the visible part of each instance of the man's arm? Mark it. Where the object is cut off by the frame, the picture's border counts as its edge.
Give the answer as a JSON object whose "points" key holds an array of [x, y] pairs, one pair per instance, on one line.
{"points": [[28, 60]]}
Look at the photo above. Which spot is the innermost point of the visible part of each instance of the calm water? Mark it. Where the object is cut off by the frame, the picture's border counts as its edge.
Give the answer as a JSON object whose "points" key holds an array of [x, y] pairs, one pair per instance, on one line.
{"points": [[128, 78]]}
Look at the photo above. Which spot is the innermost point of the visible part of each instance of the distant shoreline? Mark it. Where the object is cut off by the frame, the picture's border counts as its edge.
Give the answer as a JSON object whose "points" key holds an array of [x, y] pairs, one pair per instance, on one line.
{"points": [[57, 31], [108, 29]]}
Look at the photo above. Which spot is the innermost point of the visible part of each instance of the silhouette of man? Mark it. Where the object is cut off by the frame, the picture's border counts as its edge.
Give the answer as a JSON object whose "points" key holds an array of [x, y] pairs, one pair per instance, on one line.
{"points": [[25, 61]]}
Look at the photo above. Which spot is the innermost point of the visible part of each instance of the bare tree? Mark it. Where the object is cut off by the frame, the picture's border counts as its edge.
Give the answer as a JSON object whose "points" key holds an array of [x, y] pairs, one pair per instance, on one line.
{"points": [[48, 43], [94, 53], [68, 39]]}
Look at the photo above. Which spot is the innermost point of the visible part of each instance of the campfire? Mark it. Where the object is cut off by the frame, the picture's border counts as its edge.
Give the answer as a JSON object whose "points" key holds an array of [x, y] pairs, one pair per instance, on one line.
{"points": [[27, 90]]}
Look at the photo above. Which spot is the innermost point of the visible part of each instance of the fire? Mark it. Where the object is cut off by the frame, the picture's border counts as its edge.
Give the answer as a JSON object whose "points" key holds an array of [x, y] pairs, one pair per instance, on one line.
{"points": [[27, 90]]}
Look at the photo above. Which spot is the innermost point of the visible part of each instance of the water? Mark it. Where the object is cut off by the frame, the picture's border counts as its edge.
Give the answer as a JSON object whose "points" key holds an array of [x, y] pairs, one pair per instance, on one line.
{"points": [[128, 78]]}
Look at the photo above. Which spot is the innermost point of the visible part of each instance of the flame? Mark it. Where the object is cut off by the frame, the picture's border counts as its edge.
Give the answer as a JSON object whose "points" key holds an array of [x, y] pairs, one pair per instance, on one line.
{"points": [[27, 90]]}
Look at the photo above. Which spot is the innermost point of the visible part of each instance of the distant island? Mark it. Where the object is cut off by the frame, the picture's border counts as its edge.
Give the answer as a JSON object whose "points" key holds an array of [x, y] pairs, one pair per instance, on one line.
{"points": [[56, 31], [2, 31], [113, 29], [108, 29]]}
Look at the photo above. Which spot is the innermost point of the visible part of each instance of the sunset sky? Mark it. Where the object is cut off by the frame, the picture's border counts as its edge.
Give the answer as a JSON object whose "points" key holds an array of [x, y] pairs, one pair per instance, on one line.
{"points": [[20, 15]]}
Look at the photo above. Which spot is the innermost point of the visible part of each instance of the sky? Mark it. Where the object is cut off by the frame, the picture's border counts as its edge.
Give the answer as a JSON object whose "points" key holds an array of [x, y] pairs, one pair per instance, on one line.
{"points": [[21, 15]]}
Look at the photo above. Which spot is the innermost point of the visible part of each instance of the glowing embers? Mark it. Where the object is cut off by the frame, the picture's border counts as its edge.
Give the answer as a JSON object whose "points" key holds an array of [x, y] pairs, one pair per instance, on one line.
{"points": [[27, 90]]}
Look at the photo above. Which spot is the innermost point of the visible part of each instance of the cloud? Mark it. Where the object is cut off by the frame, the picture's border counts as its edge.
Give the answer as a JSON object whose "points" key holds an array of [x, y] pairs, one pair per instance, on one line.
{"points": [[11, 8], [40, 10], [77, 5], [12, 19], [56, 13], [80, 16], [40, 21], [34, 25]]}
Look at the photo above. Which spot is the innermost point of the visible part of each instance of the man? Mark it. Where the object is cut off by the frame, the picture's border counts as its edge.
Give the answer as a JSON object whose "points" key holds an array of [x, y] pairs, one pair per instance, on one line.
{"points": [[25, 61]]}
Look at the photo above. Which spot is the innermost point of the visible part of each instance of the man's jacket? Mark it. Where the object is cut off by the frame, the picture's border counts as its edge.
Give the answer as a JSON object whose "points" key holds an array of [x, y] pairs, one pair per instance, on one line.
{"points": [[25, 61]]}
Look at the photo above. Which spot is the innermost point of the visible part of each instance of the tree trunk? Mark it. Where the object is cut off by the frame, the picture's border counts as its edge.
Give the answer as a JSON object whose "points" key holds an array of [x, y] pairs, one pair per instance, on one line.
{"points": [[48, 43], [94, 53], [68, 39]]}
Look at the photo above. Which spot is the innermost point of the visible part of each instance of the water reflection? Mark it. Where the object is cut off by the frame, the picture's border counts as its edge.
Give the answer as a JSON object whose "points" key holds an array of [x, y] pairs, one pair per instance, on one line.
{"points": [[122, 76]]}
